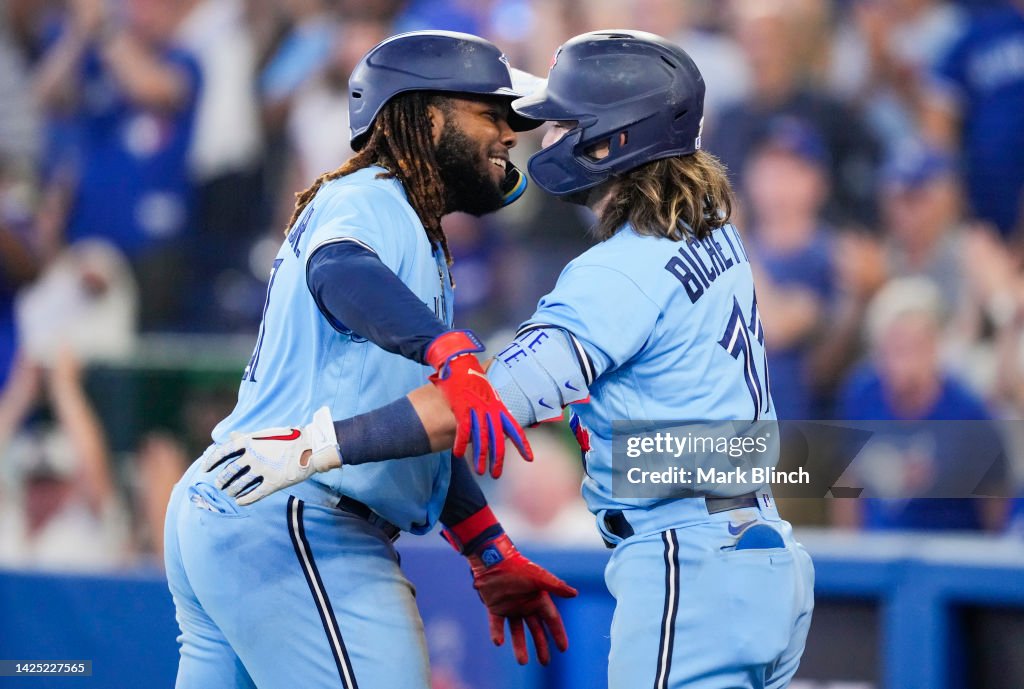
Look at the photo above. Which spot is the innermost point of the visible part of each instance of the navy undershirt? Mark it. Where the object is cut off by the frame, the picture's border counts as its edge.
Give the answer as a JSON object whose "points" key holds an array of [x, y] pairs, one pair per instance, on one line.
{"points": [[360, 295]]}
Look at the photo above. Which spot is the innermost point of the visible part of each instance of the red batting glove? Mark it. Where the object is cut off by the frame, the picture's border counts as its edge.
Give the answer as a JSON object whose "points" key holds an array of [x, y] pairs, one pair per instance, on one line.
{"points": [[512, 587], [517, 590], [480, 415]]}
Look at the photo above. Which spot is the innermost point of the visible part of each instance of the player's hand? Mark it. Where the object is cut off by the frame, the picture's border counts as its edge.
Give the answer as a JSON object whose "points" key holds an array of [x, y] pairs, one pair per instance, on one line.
{"points": [[517, 590], [480, 415], [254, 465]]}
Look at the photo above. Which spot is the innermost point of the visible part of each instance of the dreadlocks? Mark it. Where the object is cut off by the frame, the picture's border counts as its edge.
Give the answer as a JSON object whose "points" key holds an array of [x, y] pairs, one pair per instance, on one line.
{"points": [[401, 143]]}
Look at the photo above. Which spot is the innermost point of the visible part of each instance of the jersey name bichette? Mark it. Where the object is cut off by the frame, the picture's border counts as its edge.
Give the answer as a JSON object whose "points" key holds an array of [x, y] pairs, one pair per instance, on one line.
{"points": [[669, 331]]}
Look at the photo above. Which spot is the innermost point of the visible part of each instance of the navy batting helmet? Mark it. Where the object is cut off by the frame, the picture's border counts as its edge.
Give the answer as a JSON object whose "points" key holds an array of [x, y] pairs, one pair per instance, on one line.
{"points": [[427, 61], [629, 83]]}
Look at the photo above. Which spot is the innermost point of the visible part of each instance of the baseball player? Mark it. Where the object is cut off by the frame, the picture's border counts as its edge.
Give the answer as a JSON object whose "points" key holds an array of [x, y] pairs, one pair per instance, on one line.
{"points": [[305, 588], [657, 321]]}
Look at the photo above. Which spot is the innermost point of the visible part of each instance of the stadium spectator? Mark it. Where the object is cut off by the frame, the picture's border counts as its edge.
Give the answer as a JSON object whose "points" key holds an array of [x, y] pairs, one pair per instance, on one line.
{"points": [[18, 262], [225, 154], [773, 37], [298, 57], [926, 235], [976, 106], [860, 269], [160, 457], [84, 301], [63, 511], [906, 382], [996, 289], [882, 55], [28, 22], [791, 252], [158, 464], [717, 55], [19, 123], [19, 156], [314, 147], [131, 97], [921, 214], [226, 148]]}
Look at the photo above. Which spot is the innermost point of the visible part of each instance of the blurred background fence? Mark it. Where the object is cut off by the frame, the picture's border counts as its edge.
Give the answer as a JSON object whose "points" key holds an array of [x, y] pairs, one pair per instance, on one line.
{"points": [[891, 611]]}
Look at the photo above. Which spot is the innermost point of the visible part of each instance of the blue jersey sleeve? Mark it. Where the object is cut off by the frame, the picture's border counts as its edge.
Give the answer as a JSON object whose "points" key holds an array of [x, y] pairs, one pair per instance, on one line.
{"points": [[604, 310], [367, 215]]}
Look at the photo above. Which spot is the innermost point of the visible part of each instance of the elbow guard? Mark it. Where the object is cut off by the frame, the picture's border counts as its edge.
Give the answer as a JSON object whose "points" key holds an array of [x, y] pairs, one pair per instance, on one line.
{"points": [[538, 374]]}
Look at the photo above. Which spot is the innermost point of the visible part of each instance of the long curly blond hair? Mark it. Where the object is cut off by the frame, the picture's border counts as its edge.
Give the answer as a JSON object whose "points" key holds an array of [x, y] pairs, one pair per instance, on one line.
{"points": [[664, 197]]}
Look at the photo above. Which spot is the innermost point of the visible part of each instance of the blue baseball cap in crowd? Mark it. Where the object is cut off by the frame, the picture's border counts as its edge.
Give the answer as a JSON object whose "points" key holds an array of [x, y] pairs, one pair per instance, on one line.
{"points": [[915, 164], [797, 137]]}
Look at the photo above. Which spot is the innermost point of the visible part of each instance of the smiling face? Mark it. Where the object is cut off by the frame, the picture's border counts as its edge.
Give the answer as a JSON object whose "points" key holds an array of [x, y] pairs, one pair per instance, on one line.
{"points": [[473, 139]]}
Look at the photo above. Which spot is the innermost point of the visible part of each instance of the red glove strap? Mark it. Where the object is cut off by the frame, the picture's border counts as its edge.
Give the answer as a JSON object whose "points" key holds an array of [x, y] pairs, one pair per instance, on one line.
{"points": [[449, 345], [469, 528]]}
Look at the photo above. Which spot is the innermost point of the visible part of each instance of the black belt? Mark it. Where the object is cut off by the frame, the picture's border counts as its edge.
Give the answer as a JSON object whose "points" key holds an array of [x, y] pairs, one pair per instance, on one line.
{"points": [[354, 507], [617, 524]]}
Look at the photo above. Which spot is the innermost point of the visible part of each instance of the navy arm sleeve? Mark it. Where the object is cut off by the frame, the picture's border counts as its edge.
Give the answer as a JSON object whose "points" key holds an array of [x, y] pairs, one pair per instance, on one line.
{"points": [[464, 500], [358, 294], [391, 431]]}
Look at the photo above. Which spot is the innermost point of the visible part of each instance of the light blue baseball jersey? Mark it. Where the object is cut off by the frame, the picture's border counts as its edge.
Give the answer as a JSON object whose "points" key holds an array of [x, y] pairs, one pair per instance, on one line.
{"points": [[302, 362], [671, 333]]}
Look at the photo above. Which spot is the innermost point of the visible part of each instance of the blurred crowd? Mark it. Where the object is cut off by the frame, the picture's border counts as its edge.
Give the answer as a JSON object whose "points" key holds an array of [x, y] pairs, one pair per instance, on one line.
{"points": [[150, 151]]}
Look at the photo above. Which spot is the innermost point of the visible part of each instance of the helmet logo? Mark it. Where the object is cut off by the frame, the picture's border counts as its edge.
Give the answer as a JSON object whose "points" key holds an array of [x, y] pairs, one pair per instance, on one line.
{"points": [[554, 58], [508, 68], [700, 130]]}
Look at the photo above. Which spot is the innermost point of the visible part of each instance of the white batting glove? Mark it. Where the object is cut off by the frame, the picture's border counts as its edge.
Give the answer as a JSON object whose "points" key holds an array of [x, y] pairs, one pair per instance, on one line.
{"points": [[258, 464]]}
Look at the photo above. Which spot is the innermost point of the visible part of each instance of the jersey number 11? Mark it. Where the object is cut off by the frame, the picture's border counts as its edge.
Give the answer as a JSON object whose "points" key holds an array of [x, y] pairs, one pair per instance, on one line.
{"points": [[737, 341]]}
